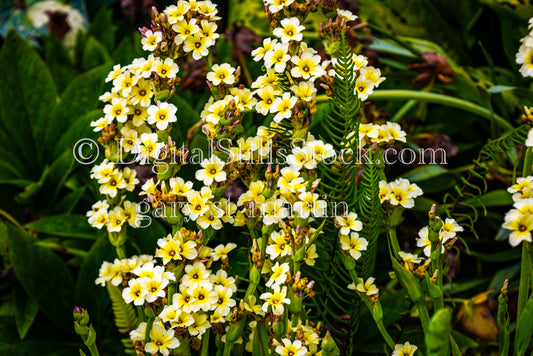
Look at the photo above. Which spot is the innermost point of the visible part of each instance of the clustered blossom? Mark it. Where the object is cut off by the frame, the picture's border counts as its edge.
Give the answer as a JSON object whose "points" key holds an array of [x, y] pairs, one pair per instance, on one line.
{"points": [[368, 77], [520, 219], [380, 134], [204, 297], [399, 193], [447, 233], [525, 53], [280, 205]]}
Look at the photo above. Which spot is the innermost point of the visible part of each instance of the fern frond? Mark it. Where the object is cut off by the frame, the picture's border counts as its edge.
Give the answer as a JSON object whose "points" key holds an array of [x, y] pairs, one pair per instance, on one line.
{"points": [[338, 182], [125, 316]]}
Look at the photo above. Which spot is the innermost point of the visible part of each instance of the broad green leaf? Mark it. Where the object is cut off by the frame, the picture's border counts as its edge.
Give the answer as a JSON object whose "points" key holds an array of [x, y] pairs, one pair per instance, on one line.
{"points": [[59, 61], [40, 348], [524, 329], [25, 311], [503, 274], [27, 97], [73, 226], [424, 173], [103, 29], [124, 52], [498, 197], [463, 341], [500, 88], [32, 189], [89, 295], [94, 54], [59, 171], [81, 130], [79, 98], [68, 202], [43, 275]]}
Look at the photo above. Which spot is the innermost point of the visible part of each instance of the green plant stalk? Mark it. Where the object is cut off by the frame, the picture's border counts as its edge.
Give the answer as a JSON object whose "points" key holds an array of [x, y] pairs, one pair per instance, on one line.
{"points": [[140, 313], [434, 98], [93, 350], [378, 320], [205, 344], [403, 110], [523, 292], [424, 315], [149, 324], [503, 322], [62, 248], [393, 241]]}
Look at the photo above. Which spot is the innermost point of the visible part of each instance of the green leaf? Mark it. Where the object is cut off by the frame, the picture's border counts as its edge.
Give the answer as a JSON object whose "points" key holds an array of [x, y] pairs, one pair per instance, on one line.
{"points": [[124, 53], [59, 61], [503, 274], [73, 226], [500, 88], [89, 295], [524, 329], [125, 316], [27, 97], [25, 311], [68, 202], [31, 189], [39, 348], [102, 28], [424, 173], [94, 54], [79, 98], [43, 275], [498, 197]]}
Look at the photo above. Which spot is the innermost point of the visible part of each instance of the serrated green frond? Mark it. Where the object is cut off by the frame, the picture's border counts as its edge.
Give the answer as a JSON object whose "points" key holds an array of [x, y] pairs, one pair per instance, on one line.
{"points": [[125, 316]]}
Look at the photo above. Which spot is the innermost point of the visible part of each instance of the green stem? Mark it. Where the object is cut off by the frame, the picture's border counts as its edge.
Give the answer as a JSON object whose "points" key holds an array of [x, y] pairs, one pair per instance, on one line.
{"points": [[62, 248], [393, 241], [424, 315], [434, 98], [140, 313], [385, 334], [121, 252], [403, 110], [149, 325], [205, 344], [523, 292], [93, 350]]}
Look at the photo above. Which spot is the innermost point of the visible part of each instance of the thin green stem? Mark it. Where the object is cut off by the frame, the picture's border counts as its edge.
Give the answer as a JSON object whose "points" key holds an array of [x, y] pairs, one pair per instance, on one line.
{"points": [[403, 110], [140, 314], [121, 252], [62, 248], [388, 339], [523, 292], [393, 241], [149, 325], [93, 350], [437, 99], [424, 315], [205, 344]]}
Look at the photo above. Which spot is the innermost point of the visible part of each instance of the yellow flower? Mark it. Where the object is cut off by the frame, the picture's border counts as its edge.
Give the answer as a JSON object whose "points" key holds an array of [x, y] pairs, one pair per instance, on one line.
{"points": [[161, 340], [275, 300], [367, 287], [404, 350], [198, 45], [222, 73], [307, 66], [162, 114], [353, 244], [521, 226], [290, 30], [260, 52], [169, 249], [151, 39]]}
